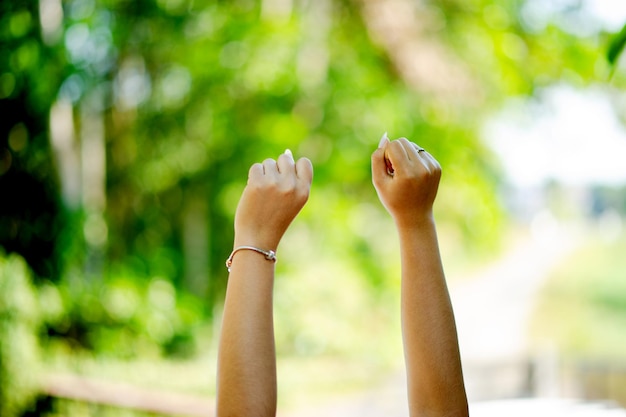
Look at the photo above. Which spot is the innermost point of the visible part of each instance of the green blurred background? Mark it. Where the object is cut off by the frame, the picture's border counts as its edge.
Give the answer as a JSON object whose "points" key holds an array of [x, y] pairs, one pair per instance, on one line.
{"points": [[127, 129]]}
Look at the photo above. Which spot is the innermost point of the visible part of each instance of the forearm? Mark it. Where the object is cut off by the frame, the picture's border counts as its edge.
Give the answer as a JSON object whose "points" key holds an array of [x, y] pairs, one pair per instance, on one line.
{"points": [[246, 360], [435, 380]]}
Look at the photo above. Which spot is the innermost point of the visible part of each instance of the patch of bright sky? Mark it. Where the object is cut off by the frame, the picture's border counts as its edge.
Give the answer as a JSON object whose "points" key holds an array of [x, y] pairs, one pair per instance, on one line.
{"points": [[575, 16], [612, 13], [568, 135]]}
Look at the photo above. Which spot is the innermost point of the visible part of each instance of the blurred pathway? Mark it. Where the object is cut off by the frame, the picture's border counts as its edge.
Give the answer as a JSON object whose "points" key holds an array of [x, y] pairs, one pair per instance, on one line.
{"points": [[492, 310]]}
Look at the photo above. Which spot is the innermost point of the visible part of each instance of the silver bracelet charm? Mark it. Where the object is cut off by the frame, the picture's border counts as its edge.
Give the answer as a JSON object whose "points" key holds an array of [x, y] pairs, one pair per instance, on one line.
{"points": [[270, 255]]}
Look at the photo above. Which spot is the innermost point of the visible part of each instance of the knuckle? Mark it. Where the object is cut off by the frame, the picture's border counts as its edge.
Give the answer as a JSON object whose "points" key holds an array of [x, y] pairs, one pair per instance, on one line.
{"points": [[286, 188], [257, 186], [303, 193]]}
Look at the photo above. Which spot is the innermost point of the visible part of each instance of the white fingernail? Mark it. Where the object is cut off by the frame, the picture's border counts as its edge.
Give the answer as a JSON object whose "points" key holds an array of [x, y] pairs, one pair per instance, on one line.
{"points": [[288, 152], [383, 140]]}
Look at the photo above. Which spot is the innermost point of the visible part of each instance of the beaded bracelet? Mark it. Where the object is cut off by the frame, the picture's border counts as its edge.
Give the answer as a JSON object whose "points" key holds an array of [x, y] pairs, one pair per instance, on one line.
{"points": [[269, 255]]}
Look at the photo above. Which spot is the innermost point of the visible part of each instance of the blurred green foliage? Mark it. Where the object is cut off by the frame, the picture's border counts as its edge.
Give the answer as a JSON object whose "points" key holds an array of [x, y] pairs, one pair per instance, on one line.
{"points": [[123, 317], [20, 323], [128, 128], [30, 222]]}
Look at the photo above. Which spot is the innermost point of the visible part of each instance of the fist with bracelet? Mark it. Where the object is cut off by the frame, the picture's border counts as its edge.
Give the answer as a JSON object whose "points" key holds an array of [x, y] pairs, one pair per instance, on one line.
{"points": [[275, 193]]}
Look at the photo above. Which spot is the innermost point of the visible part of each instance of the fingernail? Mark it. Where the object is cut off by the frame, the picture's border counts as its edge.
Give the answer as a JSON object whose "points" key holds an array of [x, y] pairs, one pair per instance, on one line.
{"points": [[383, 140], [288, 152]]}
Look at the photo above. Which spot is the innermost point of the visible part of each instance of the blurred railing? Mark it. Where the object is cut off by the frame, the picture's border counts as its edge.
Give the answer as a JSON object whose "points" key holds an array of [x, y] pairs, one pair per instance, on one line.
{"points": [[547, 376], [127, 396], [601, 381], [538, 377]]}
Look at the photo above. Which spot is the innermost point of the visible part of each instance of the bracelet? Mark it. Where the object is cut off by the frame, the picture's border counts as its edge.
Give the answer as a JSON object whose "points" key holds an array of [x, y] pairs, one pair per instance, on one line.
{"points": [[269, 255]]}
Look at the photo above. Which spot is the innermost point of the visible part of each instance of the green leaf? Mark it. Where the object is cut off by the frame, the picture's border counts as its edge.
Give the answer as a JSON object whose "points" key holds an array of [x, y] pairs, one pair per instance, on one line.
{"points": [[616, 46]]}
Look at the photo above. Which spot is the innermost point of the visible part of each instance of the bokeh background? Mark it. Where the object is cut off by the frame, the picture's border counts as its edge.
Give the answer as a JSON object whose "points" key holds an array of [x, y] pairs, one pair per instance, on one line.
{"points": [[126, 132]]}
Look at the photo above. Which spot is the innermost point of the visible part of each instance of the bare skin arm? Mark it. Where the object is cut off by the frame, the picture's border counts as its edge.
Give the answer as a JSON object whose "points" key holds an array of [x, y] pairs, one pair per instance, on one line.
{"points": [[408, 191], [246, 380]]}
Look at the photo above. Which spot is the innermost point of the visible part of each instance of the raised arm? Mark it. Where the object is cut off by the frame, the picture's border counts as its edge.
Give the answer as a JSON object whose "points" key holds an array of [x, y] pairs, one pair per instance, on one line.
{"points": [[406, 179], [246, 377]]}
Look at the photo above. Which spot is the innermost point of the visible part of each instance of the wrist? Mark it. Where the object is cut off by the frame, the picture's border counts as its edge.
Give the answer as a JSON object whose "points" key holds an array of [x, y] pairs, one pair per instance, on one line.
{"points": [[414, 222], [258, 241]]}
